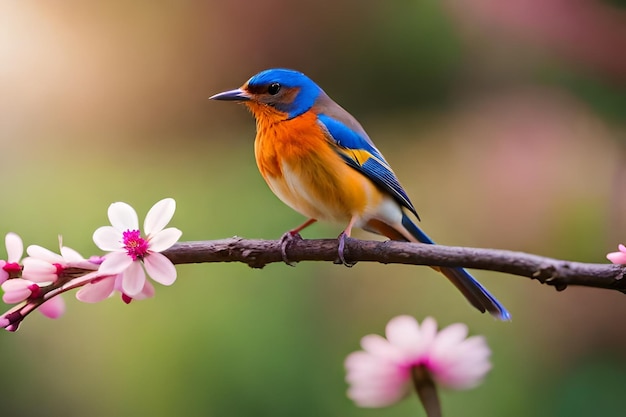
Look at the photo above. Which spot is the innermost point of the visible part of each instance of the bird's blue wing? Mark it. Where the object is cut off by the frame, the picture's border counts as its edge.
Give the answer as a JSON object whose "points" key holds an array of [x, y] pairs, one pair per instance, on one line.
{"points": [[358, 151]]}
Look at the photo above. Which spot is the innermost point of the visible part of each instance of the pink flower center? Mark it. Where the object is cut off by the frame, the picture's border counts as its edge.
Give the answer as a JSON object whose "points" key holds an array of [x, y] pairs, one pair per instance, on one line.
{"points": [[136, 246], [35, 290], [12, 268], [59, 268]]}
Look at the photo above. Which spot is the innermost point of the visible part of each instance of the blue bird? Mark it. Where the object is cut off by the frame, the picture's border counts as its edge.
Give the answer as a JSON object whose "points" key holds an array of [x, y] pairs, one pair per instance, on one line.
{"points": [[319, 160]]}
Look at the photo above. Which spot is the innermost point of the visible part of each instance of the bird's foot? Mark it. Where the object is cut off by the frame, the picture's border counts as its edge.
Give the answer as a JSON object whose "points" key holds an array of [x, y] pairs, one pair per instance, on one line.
{"points": [[340, 250], [284, 241]]}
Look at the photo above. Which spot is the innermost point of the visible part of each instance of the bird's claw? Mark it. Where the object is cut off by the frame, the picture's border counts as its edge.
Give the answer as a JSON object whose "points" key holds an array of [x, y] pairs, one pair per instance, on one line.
{"points": [[340, 250], [284, 241]]}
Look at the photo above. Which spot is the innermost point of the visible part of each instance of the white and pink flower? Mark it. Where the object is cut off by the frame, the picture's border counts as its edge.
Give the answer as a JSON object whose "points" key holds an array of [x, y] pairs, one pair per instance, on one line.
{"points": [[132, 254], [42, 268], [384, 371], [18, 289]]}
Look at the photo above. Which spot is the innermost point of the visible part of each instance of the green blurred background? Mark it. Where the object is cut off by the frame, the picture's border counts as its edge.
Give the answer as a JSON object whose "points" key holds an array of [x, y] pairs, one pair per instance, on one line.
{"points": [[504, 121]]}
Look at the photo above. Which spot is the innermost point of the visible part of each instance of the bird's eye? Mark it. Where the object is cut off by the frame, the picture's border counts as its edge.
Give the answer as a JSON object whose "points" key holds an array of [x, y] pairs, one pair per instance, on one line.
{"points": [[273, 89]]}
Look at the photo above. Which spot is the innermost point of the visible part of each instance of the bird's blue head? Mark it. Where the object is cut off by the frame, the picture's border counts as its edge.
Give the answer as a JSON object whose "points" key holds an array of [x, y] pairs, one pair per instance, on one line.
{"points": [[288, 91]]}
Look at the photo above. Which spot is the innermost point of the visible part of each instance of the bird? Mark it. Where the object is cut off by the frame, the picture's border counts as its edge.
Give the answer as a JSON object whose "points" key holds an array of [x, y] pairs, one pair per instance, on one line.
{"points": [[318, 160]]}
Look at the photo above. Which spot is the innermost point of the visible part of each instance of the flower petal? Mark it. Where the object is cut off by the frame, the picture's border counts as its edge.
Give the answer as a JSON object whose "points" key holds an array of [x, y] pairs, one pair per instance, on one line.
{"points": [[96, 291], [38, 270], [376, 397], [380, 347], [53, 308], [375, 381], [159, 216], [16, 290], [44, 254], [448, 338], [147, 292], [133, 279], [123, 217], [428, 332], [363, 367], [73, 259], [618, 258], [164, 239], [108, 238], [404, 332], [70, 255], [160, 269], [15, 247], [115, 263], [465, 366]]}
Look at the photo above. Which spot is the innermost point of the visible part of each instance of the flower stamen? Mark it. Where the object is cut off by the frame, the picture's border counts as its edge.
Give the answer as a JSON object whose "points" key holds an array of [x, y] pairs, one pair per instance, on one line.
{"points": [[136, 246]]}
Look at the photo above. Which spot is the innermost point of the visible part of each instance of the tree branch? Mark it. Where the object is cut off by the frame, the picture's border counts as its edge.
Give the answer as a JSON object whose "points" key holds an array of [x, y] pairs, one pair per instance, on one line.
{"points": [[258, 253]]}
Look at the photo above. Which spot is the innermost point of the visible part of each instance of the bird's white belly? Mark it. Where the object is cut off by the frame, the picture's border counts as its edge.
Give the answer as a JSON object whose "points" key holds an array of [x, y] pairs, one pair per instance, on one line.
{"points": [[302, 195], [299, 194]]}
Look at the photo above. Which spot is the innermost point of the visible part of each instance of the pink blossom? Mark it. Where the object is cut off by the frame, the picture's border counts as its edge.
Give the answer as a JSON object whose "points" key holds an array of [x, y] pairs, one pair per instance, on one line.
{"points": [[618, 257], [17, 290], [42, 270], [384, 371], [44, 266], [11, 266], [130, 253]]}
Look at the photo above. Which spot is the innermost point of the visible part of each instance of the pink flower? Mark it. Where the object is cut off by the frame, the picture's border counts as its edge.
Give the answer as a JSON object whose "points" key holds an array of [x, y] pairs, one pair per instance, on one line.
{"points": [[42, 269], [11, 266], [387, 369], [17, 290], [44, 266], [618, 257], [130, 253]]}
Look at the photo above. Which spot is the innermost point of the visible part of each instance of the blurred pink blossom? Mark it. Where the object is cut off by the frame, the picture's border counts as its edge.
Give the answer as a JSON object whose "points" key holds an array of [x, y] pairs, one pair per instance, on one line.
{"points": [[385, 370], [130, 253], [589, 32], [618, 257]]}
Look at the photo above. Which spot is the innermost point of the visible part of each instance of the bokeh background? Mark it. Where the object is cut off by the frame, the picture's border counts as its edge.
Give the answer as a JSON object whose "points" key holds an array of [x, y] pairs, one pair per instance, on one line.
{"points": [[503, 120]]}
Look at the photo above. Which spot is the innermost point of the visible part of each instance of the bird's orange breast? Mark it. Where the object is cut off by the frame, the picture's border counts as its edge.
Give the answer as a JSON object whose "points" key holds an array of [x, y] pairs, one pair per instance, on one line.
{"points": [[303, 169]]}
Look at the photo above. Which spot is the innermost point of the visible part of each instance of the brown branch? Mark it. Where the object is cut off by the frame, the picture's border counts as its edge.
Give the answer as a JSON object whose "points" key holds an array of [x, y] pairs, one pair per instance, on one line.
{"points": [[258, 253]]}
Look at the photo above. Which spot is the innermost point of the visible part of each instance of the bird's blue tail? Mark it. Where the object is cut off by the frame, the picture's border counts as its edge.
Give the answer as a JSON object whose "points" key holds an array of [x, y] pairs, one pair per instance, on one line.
{"points": [[475, 293]]}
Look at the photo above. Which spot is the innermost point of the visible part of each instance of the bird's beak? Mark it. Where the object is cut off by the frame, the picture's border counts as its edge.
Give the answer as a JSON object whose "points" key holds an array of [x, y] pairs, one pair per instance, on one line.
{"points": [[232, 95]]}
